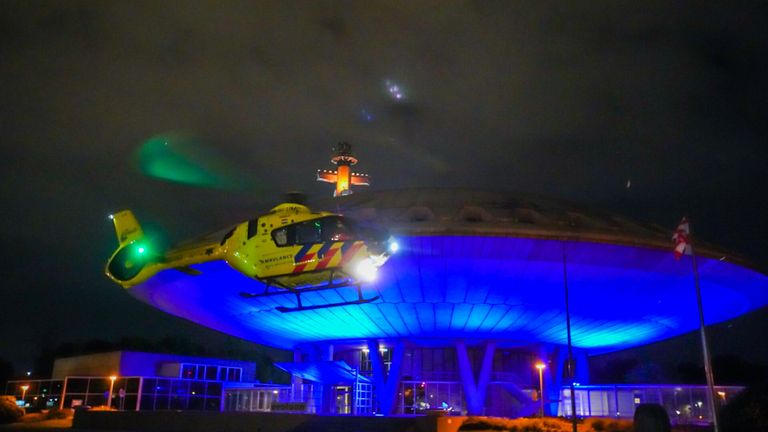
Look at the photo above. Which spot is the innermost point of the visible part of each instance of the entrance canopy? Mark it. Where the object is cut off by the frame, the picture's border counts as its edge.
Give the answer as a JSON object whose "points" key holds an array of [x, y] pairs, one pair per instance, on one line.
{"points": [[324, 372]]}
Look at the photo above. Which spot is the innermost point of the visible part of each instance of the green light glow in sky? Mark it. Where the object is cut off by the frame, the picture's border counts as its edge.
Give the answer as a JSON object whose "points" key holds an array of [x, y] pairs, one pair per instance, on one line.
{"points": [[184, 159]]}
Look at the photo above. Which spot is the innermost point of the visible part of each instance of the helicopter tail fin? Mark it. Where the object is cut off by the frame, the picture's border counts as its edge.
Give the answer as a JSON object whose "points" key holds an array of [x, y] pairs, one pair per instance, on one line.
{"points": [[127, 227]]}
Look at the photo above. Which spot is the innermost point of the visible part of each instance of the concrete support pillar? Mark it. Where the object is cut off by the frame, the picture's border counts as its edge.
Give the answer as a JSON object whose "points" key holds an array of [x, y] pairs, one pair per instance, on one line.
{"points": [[296, 382], [582, 366], [321, 399], [324, 352], [386, 384], [475, 391]]}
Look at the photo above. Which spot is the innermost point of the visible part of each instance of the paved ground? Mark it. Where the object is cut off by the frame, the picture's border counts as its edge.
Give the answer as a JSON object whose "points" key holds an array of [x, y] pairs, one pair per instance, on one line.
{"points": [[35, 422]]}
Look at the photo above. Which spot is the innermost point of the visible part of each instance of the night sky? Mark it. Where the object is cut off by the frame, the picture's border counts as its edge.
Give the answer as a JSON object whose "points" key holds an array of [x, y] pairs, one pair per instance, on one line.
{"points": [[651, 109]]}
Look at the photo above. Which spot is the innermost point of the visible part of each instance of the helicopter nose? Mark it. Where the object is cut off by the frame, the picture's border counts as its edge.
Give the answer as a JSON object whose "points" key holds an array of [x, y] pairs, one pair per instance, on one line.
{"points": [[385, 247]]}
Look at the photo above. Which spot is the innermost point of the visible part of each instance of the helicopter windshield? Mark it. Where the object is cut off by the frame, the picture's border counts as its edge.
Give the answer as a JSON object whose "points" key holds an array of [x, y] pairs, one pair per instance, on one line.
{"points": [[337, 229], [327, 229]]}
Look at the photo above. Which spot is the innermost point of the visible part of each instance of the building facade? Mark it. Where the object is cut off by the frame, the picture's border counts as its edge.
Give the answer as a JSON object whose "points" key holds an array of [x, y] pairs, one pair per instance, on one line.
{"points": [[471, 302], [128, 380]]}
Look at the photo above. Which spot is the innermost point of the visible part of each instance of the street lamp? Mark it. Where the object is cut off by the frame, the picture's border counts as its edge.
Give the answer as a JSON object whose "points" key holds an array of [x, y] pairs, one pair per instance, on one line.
{"points": [[111, 387], [540, 366], [24, 389]]}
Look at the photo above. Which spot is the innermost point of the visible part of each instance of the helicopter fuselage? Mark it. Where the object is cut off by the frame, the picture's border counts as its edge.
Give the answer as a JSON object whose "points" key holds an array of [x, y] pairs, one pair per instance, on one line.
{"points": [[292, 247], [289, 247]]}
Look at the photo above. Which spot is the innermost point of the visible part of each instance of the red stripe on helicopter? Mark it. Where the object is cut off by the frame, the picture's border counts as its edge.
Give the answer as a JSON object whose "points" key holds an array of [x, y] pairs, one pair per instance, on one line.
{"points": [[302, 252], [351, 252], [328, 257], [306, 260]]}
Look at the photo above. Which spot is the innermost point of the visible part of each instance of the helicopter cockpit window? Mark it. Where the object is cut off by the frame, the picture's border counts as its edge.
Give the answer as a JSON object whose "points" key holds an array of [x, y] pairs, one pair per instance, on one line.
{"points": [[336, 229], [308, 232], [327, 229], [281, 236]]}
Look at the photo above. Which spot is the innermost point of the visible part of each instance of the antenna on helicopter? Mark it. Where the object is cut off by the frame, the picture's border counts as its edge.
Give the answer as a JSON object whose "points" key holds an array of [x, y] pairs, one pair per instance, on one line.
{"points": [[343, 176]]}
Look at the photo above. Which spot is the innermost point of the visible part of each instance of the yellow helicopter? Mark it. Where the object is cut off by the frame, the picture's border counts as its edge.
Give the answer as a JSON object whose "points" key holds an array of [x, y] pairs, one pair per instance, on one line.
{"points": [[291, 250]]}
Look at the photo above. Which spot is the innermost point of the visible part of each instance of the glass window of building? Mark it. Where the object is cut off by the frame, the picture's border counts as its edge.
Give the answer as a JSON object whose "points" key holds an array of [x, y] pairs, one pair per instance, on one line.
{"points": [[233, 374], [365, 359], [211, 373], [188, 371], [213, 389]]}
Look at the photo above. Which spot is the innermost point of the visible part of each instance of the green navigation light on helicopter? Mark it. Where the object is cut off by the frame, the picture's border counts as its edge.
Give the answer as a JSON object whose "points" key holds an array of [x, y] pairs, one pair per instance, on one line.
{"points": [[141, 251]]}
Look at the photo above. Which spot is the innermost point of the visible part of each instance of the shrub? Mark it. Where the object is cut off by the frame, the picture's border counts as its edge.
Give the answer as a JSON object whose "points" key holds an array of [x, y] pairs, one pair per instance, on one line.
{"points": [[515, 425], [651, 418], [748, 411], [96, 408], [607, 425], [478, 423], [544, 425], [9, 411], [55, 413], [598, 425]]}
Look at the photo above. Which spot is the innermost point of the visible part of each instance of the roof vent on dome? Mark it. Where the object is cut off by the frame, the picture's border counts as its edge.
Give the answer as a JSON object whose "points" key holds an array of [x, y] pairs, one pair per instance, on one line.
{"points": [[579, 220], [573, 219], [622, 223], [526, 216], [420, 214], [474, 214]]}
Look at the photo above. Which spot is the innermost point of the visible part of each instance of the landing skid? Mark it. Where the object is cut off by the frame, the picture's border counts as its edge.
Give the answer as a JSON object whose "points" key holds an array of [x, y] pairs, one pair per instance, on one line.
{"points": [[301, 307], [283, 290]]}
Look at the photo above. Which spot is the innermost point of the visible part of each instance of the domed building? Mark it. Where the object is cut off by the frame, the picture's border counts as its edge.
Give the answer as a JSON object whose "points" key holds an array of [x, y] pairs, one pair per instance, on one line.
{"points": [[471, 301]]}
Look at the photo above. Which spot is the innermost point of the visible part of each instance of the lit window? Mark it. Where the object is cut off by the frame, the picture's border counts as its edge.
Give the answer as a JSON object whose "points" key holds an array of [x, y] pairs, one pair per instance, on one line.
{"points": [[188, 371]]}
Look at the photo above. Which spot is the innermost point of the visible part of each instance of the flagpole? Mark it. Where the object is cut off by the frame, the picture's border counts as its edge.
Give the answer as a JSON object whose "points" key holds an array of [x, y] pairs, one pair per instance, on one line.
{"points": [[570, 347], [704, 344]]}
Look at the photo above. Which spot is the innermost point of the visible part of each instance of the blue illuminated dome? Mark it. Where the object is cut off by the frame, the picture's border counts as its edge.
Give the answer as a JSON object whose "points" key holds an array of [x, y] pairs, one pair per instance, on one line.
{"points": [[478, 265], [475, 289]]}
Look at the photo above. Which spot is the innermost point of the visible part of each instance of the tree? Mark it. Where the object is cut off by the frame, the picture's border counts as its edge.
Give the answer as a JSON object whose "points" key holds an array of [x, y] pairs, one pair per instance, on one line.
{"points": [[6, 372], [9, 411], [748, 411]]}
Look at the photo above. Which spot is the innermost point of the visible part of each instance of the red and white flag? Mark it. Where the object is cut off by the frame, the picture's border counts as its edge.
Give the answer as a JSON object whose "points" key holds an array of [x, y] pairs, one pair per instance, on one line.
{"points": [[680, 239]]}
